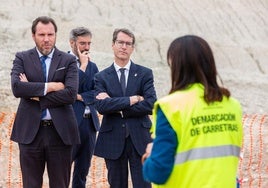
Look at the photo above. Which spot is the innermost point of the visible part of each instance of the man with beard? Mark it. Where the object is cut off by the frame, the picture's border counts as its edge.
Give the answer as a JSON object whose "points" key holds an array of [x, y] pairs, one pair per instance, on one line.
{"points": [[46, 81], [86, 115]]}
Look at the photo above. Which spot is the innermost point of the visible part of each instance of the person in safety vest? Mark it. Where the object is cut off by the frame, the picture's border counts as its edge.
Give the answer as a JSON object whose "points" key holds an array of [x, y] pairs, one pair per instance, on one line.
{"points": [[197, 128]]}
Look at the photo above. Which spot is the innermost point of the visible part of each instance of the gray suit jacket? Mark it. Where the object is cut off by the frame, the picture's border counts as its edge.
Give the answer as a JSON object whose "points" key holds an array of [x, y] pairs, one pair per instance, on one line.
{"points": [[63, 69], [111, 139]]}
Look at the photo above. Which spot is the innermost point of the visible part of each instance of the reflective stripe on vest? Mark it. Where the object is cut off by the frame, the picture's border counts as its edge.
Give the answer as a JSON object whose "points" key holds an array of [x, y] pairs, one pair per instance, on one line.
{"points": [[207, 152]]}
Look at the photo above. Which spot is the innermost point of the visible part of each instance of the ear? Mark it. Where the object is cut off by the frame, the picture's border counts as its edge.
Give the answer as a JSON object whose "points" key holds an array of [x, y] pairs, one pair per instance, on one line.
{"points": [[72, 42], [113, 45]]}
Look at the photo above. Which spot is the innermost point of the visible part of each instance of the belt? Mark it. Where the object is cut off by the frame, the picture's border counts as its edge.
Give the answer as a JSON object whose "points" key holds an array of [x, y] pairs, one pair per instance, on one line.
{"points": [[87, 115], [46, 123]]}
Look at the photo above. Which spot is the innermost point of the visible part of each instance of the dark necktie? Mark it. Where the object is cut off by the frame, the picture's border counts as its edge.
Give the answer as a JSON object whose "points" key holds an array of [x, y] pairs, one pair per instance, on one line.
{"points": [[43, 63], [123, 80], [123, 86]]}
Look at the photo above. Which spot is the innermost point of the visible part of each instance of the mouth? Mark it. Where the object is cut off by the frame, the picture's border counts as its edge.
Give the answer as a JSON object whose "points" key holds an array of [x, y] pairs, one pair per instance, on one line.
{"points": [[47, 46], [47, 49], [123, 52], [85, 52]]}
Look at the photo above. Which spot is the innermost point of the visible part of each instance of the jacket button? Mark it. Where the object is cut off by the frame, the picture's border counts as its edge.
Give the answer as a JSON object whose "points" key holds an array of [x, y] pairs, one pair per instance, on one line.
{"points": [[123, 125]]}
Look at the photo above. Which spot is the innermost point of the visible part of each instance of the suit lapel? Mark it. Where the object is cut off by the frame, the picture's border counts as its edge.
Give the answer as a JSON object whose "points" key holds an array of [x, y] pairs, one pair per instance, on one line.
{"points": [[114, 81], [54, 64], [132, 78], [37, 63]]}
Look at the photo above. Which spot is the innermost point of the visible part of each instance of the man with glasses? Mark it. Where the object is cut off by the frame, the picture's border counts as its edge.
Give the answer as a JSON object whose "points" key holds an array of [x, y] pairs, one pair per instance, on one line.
{"points": [[125, 95], [86, 114]]}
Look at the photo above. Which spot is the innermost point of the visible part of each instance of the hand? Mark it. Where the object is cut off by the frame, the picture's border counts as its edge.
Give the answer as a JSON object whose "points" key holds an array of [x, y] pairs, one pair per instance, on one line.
{"points": [[149, 148], [102, 95], [147, 152], [35, 98], [135, 99], [79, 97], [54, 86], [84, 58], [23, 77], [140, 98]]}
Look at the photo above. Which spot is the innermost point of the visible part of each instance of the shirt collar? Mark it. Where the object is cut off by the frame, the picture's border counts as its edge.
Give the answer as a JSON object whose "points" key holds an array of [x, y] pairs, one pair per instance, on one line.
{"points": [[71, 52], [49, 55], [127, 66]]}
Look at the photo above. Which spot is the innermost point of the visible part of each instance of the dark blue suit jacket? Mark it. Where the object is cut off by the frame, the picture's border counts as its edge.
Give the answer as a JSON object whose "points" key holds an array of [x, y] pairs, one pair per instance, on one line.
{"points": [[63, 69], [86, 89], [111, 139]]}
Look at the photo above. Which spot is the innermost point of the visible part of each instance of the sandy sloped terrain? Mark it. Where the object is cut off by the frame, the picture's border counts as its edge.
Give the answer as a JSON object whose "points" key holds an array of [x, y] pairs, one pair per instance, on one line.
{"points": [[236, 30]]}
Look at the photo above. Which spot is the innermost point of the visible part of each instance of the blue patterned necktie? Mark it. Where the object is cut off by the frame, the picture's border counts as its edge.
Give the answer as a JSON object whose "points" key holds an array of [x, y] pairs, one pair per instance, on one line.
{"points": [[123, 80], [43, 63]]}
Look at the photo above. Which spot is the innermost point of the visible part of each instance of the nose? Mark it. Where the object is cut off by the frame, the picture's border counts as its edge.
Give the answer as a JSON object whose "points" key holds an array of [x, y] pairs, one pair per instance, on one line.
{"points": [[86, 46], [124, 44], [46, 38]]}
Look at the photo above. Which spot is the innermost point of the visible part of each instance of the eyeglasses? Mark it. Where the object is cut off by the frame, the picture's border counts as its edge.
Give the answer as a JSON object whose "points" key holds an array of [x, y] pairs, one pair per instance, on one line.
{"points": [[120, 44]]}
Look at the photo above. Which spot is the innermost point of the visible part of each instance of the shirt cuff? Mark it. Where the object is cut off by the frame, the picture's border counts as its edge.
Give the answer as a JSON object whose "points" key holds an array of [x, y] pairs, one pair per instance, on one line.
{"points": [[45, 90]]}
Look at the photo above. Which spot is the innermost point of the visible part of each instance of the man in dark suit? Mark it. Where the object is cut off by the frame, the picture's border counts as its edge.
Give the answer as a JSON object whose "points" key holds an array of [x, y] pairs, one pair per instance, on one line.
{"points": [[86, 114], [45, 126], [125, 98]]}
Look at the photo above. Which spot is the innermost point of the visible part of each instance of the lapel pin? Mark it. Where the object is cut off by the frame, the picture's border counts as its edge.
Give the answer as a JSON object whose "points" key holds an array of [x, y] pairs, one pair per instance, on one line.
{"points": [[135, 74]]}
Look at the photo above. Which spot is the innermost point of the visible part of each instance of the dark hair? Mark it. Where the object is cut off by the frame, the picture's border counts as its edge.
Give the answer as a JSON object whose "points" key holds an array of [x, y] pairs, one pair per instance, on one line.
{"points": [[191, 61], [44, 20], [79, 31], [123, 30]]}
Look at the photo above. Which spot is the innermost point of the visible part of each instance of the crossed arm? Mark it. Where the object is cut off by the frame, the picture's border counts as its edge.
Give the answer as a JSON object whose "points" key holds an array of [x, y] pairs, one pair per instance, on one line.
{"points": [[51, 86], [133, 99]]}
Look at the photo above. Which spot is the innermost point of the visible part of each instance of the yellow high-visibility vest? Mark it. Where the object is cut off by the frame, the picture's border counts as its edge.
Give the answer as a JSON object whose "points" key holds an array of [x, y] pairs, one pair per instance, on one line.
{"points": [[209, 139]]}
